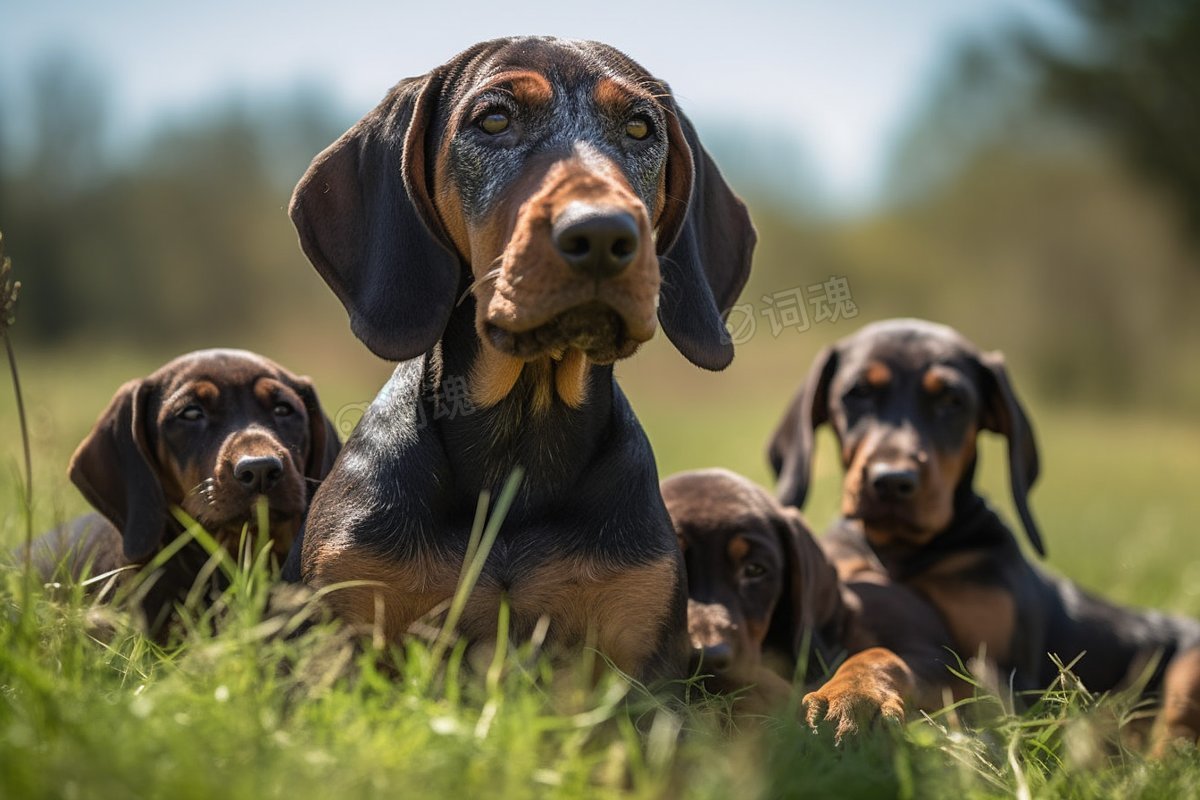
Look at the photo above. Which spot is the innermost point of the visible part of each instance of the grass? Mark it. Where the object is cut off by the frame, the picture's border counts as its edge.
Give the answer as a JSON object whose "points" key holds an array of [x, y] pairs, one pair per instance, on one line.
{"points": [[233, 709]]}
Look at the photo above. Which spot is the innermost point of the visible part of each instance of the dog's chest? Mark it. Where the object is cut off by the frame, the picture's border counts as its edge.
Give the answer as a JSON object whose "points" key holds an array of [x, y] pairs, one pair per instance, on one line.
{"points": [[981, 615], [621, 610]]}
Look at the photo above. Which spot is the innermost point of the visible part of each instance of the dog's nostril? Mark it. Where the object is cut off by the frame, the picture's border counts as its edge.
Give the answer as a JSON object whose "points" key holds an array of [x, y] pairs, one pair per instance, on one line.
{"points": [[574, 245], [623, 247]]}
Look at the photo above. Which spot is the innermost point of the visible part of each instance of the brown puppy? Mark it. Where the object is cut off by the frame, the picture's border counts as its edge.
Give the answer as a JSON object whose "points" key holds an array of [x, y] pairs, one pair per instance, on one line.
{"points": [[209, 432], [907, 400], [762, 596], [512, 223]]}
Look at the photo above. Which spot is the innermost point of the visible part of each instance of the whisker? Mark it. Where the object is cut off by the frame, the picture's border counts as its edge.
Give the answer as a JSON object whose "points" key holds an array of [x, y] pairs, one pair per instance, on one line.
{"points": [[487, 277], [205, 485]]}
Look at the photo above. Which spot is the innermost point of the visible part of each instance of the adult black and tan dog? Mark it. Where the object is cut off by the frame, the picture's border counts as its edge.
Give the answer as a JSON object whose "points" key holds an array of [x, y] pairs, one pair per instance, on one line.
{"points": [[210, 432], [509, 225], [907, 400]]}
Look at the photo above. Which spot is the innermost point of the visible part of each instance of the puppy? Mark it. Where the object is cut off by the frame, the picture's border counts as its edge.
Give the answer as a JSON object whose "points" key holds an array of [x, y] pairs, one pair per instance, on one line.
{"points": [[907, 400], [210, 432], [765, 605]]}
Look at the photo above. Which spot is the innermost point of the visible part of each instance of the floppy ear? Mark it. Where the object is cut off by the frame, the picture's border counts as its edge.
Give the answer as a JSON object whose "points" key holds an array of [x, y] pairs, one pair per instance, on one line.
{"points": [[1002, 413], [367, 223], [114, 469], [811, 603], [323, 442], [793, 443], [705, 244]]}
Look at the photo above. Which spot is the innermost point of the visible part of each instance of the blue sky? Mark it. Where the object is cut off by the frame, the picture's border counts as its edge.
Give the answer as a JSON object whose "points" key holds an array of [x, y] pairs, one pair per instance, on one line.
{"points": [[839, 76]]}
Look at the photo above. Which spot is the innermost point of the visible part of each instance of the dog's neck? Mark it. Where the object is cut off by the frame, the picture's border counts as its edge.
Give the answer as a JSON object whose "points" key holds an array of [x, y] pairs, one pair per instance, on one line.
{"points": [[531, 426]]}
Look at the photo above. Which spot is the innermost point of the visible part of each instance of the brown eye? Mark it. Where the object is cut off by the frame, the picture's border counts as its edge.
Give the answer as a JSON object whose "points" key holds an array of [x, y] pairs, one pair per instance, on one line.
{"points": [[637, 128], [494, 123], [283, 410], [753, 570], [950, 403]]}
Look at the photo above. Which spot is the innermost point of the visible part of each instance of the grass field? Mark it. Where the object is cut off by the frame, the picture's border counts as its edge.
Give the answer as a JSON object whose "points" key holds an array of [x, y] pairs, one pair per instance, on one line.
{"points": [[241, 713]]}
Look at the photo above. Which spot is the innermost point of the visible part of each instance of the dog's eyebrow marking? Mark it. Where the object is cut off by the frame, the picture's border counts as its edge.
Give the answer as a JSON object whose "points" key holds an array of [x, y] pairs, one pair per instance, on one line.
{"points": [[526, 86], [204, 390], [935, 379], [878, 374], [617, 94], [738, 548], [268, 388]]}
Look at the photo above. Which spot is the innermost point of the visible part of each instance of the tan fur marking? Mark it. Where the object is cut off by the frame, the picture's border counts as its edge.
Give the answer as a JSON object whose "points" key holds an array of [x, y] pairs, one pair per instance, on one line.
{"points": [[933, 381], [979, 617], [1179, 719], [405, 592], [493, 375], [857, 568], [615, 95], [623, 610], [878, 374], [448, 202], [571, 378], [935, 505], [528, 88], [856, 461], [737, 548]]}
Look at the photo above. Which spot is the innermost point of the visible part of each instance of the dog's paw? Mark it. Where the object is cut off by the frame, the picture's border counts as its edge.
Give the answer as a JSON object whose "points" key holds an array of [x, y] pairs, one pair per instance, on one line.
{"points": [[849, 706]]}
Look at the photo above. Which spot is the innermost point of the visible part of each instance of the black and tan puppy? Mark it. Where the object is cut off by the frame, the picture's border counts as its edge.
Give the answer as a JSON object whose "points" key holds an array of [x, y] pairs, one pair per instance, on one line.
{"points": [[509, 225], [907, 400], [762, 596], [210, 432]]}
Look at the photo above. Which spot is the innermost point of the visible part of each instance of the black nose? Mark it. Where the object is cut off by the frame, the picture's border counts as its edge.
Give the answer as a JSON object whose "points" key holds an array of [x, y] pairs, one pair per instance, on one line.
{"points": [[600, 242], [893, 483], [258, 474], [713, 658]]}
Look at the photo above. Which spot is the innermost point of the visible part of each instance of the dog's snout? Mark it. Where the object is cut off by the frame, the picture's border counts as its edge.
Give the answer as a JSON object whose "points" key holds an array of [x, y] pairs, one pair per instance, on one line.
{"points": [[258, 474], [714, 658], [892, 482], [600, 242]]}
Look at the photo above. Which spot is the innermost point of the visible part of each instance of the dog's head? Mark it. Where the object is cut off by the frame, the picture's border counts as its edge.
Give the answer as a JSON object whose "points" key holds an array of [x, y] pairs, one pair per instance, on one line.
{"points": [[759, 587], [210, 432], [906, 399], [555, 180]]}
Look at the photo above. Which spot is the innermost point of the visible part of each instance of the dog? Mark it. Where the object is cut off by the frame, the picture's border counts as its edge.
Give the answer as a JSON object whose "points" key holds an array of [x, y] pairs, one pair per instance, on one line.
{"points": [[210, 432], [508, 226], [907, 400], [766, 606]]}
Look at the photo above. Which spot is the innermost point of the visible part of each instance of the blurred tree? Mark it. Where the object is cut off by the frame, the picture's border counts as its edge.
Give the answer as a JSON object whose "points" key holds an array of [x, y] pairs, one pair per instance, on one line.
{"points": [[1135, 77], [979, 99], [69, 114], [1017, 218], [180, 239]]}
